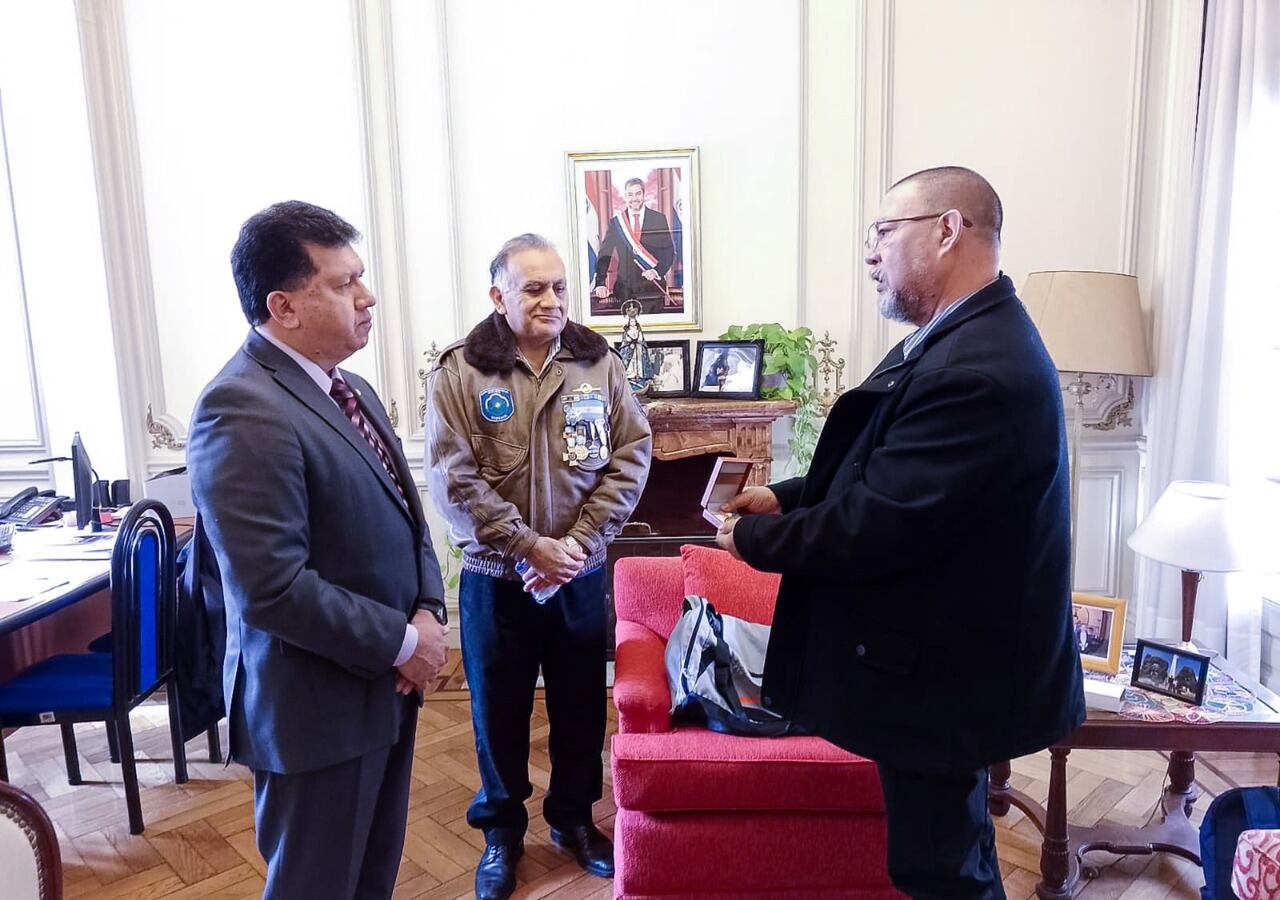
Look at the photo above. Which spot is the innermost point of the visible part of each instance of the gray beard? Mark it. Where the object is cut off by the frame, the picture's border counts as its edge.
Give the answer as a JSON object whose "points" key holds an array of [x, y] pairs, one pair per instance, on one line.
{"points": [[896, 306]]}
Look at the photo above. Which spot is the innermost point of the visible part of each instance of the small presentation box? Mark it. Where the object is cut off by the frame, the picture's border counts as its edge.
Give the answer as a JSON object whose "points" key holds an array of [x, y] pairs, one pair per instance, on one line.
{"points": [[727, 481]]}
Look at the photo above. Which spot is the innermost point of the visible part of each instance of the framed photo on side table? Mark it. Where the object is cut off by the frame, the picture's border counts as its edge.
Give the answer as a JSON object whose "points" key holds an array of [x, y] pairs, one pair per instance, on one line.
{"points": [[1171, 671], [633, 219], [1098, 626]]}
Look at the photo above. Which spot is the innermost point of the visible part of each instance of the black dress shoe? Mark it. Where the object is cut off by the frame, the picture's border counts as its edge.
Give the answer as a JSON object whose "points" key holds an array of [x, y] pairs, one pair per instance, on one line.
{"points": [[592, 849], [496, 874]]}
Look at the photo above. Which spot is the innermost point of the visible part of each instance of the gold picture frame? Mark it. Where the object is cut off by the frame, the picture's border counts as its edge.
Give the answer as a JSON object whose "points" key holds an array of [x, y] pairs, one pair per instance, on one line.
{"points": [[1098, 629], [615, 250]]}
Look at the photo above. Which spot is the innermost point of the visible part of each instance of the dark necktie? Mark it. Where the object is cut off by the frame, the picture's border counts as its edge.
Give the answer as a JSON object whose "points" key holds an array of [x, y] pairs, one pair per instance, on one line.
{"points": [[635, 225], [341, 392]]}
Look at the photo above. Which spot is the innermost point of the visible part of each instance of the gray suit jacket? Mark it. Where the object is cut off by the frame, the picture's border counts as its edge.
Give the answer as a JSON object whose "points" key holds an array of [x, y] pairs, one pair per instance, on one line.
{"points": [[322, 562]]}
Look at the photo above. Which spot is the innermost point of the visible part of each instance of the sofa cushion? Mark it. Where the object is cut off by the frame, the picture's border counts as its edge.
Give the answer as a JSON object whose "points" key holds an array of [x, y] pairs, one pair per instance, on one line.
{"points": [[648, 590], [732, 586], [691, 768]]}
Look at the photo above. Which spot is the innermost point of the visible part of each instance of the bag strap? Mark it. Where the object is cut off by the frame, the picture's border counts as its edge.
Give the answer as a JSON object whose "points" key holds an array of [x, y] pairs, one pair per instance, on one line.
{"points": [[1260, 807], [191, 575]]}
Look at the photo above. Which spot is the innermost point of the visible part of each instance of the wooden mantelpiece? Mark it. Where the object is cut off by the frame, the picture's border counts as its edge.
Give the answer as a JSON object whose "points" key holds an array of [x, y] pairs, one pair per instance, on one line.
{"points": [[688, 435], [685, 427]]}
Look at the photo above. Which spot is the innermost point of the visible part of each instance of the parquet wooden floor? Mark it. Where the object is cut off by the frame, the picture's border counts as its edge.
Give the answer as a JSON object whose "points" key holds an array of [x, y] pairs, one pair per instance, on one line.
{"points": [[199, 841]]}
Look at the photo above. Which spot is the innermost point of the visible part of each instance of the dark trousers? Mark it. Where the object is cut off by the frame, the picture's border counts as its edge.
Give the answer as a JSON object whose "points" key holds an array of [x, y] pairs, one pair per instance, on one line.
{"points": [[337, 832], [506, 636], [941, 840]]}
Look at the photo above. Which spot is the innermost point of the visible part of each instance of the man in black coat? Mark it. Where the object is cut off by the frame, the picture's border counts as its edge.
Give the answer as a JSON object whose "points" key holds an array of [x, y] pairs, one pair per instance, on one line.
{"points": [[640, 238], [924, 616]]}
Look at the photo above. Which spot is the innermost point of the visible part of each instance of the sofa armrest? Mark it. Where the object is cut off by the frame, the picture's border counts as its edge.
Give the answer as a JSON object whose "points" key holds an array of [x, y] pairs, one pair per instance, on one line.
{"points": [[640, 690]]}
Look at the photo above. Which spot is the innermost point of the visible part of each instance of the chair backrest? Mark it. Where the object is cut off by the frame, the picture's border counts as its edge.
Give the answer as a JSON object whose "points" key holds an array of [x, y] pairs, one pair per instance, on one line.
{"points": [[30, 862], [144, 602]]}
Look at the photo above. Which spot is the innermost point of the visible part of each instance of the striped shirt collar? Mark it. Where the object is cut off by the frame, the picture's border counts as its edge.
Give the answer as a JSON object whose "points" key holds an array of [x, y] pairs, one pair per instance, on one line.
{"points": [[916, 338]]}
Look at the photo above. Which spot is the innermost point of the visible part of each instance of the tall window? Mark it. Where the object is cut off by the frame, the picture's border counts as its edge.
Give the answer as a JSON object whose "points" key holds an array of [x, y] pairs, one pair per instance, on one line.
{"points": [[1252, 348]]}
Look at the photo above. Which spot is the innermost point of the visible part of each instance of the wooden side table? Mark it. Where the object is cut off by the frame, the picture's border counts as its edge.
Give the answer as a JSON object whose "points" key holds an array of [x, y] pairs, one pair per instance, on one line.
{"points": [[1171, 831]]}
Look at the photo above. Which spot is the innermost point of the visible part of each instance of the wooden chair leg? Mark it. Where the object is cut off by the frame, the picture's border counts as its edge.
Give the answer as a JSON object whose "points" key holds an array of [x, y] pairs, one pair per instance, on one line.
{"points": [[69, 751], [129, 768], [215, 744], [113, 743], [175, 734]]}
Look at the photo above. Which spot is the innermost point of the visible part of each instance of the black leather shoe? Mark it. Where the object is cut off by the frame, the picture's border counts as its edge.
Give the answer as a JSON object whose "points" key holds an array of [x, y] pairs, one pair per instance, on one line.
{"points": [[496, 874], [592, 849]]}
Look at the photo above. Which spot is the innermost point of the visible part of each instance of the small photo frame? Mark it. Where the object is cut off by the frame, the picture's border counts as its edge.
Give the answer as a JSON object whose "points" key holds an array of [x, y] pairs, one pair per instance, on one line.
{"points": [[728, 479], [1097, 625], [729, 370], [1171, 671], [669, 363]]}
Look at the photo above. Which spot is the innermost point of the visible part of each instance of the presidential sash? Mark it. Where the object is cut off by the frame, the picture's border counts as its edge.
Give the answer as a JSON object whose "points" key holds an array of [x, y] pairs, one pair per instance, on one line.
{"points": [[642, 256]]}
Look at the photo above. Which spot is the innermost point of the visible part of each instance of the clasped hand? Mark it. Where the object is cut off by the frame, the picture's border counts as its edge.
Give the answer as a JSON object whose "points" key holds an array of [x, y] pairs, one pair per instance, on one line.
{"points": [[552, 563], [755, 500], [420, 669]]}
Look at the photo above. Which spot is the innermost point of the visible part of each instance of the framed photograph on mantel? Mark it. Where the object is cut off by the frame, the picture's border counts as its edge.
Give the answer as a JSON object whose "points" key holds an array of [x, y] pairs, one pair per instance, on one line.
{"points": [[633, 220]]}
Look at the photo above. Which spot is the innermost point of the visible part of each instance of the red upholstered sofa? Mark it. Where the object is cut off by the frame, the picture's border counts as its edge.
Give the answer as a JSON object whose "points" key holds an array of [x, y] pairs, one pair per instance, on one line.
{"points": [[706, 815]]}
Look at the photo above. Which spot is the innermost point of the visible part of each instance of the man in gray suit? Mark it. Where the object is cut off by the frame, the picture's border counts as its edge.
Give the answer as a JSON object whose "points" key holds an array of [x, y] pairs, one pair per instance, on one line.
{"points": [[335, 616]]}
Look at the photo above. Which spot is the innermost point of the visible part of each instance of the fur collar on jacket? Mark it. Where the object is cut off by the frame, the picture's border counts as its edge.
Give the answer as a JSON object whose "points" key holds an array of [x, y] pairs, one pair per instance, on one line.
{"points": [[491, 345]]}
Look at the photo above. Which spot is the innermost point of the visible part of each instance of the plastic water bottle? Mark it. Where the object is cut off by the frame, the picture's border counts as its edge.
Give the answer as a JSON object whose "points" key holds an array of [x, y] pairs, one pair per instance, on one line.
{"points": [[543, 595]]}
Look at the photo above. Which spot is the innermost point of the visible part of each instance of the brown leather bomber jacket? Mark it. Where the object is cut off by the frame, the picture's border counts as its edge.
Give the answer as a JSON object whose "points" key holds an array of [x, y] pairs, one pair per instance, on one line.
{"points": [[513, 456]]}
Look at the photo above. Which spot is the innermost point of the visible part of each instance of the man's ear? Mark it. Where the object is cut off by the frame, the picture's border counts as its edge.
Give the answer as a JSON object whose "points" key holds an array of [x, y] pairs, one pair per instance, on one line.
{"points": [[495, 294], [952, 223], [280, 305]]}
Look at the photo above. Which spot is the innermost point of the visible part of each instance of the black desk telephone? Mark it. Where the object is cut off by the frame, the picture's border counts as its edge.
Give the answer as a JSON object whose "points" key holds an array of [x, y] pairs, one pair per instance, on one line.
{"points": [[31, 507]]}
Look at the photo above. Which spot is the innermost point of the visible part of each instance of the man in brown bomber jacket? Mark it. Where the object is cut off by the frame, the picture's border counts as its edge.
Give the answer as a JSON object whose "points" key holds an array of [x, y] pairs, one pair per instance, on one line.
{"points": [[537, 452]]}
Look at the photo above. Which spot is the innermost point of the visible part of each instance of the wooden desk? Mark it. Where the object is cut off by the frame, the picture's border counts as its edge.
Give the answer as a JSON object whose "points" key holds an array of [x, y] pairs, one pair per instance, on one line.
{"points": [[1256, 730], [75, 610]]}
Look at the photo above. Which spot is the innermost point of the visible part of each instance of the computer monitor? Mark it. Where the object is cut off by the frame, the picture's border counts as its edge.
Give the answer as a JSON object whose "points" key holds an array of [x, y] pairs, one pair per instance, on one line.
{"points": [[82, 479]]}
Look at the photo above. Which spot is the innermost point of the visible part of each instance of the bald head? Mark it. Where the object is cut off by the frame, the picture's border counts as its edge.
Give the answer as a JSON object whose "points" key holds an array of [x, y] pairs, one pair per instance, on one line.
{"points": [[955, 187]]}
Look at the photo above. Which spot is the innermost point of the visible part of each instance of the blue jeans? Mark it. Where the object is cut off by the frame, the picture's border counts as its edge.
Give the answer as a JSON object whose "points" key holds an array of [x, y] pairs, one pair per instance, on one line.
{"points": [[506, 637]]}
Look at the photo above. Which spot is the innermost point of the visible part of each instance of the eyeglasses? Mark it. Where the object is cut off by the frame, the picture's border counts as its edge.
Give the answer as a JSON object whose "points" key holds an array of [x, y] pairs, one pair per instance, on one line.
{"points": [[873, 232]]}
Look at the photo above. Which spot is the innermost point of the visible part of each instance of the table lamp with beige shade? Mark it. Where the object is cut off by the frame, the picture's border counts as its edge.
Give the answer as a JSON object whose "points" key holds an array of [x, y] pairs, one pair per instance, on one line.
{"points": [[1197, 527], [1092, 325]]}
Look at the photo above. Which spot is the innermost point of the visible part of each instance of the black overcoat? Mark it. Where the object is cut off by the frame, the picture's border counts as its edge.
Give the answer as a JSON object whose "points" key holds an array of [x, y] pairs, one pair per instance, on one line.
{"points": [[924, 615]]}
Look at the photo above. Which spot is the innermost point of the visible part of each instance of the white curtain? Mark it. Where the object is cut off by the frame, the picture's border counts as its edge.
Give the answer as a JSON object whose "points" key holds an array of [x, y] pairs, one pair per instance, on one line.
{"points": [[1214, 330]]}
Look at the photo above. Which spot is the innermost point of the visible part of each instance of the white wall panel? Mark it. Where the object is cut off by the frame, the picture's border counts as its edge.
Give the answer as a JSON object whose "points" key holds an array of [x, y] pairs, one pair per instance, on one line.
{"points": [[530, 82], [230, 119]]}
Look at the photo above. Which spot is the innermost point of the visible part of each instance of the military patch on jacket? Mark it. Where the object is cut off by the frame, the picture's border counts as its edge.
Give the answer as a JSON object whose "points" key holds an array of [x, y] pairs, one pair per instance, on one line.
{"points": [[496, 404], [586, 427]]}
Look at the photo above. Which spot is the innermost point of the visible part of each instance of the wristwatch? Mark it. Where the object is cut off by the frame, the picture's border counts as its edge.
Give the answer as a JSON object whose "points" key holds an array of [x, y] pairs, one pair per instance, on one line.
{"points": [[572, 543], [437, 610]]}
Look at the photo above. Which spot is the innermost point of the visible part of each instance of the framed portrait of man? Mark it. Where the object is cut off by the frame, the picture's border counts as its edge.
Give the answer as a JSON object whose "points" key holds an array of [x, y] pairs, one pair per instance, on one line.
{"points": [[633, 219]]}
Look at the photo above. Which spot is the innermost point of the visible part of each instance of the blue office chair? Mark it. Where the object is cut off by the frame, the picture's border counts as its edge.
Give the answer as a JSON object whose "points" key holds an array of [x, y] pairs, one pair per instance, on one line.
{"points": [[104, 687], [191, 592]]}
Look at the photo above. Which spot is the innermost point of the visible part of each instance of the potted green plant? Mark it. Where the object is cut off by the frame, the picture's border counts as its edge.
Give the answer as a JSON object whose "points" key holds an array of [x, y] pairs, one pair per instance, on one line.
{"points": [[789, 365]]}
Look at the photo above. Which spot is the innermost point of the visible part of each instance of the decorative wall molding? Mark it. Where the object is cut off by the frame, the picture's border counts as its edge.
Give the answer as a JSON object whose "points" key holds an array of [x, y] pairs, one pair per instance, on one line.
{"points": [[164, 431], [1131, 217], [429, 357], [454, 218], [1118, 413], [802, 179], [384, 196], [38, 445], [832, 373], [1120, 461], [122, 217]]}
